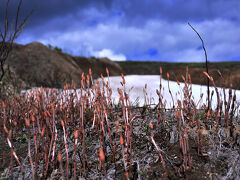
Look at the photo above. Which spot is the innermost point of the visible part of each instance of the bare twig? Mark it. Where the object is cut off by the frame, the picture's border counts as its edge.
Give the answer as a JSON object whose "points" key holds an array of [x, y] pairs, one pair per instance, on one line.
{"points": [[8, 36], [208, 82]]}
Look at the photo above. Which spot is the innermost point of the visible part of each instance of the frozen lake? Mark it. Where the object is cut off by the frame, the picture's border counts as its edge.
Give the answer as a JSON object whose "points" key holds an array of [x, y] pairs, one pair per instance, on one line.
{"points": [[138, 94], [135, 85]]}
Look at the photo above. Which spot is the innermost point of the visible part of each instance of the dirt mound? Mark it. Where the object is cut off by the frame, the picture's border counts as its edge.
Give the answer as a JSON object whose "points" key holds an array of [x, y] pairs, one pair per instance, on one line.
{"points": [[37, 65]]}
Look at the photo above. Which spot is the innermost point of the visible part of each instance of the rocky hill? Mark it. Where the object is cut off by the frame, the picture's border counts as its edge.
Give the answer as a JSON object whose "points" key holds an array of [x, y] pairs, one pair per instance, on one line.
{"points": [[37, 65]]}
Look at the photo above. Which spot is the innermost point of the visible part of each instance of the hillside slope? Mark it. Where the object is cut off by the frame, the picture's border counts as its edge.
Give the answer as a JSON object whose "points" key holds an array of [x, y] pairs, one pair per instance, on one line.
{"points": [[37, 65]]}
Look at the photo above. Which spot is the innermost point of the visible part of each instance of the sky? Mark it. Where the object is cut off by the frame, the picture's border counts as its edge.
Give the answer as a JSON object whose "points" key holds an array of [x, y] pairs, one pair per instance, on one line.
{"points": [[134, 29]]}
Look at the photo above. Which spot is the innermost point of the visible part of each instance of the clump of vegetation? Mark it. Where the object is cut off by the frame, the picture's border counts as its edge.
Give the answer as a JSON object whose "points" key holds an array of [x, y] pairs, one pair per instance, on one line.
{"points": [[82, 133], [56, 48], [11, 84]]}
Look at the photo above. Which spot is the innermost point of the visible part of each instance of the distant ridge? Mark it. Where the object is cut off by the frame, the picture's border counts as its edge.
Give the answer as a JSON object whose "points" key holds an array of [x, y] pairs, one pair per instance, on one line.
{"points": [[230, 71]]}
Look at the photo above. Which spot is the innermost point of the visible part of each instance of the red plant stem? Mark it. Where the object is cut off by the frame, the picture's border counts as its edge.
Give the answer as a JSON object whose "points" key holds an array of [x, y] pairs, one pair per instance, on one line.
{"points": [[27, 122], [36, 152], [228, 107], [65, 143], [188, 151], [124, 162], [186, 145], [179, 130], [3, 155], [61, 166], [49, 153], [201, 145], [170, 92], [109, 131], [102, 159], [54, 144], [160, 154], [45, 155], [39, 129], [15, 156], [198, 131], [94, 119], [41, 140], [11, 163], [75, 149], [29, 155], [232, 110], [83, 145]]}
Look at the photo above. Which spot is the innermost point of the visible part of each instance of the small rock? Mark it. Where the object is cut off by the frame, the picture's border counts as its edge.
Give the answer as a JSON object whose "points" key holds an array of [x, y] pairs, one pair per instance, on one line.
{"points": [[236, 134], [204, 132], [226, 132], [173, 135]]}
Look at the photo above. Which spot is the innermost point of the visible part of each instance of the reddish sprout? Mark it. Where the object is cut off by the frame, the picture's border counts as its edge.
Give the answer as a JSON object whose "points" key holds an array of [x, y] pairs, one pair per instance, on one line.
{"points": [[38, 98], [43, 131], [206, 74], [102, 77], [76, 134], [83, 76], [123, 78], [151, 125], [59, 157], [4, 105], [27, 122], [121, 140], [178, 82], [167, 75], [5, 129], [62, 123], [117, 123], [183, 78], [32, 118], [101, 155]]}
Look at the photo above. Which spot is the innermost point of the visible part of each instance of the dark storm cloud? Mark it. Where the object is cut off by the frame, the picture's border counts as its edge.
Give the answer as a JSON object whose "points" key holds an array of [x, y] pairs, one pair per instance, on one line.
{"points": [[134, 12], [138, 12], [135, 29], [47, 10]]}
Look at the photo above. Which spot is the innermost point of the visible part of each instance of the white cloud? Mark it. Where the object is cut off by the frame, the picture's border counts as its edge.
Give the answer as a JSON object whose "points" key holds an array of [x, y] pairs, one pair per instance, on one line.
{"points": [[109, 54]]}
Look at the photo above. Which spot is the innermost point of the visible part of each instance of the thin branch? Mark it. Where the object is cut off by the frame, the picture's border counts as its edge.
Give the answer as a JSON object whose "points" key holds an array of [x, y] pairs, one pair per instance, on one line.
{"points": [[206, 60], [6, 22], [8, 37], [18, 10], [2, 70]]}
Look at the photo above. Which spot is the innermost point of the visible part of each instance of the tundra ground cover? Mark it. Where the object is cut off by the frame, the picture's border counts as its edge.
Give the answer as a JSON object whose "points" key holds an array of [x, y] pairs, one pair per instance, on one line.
{"points": [[48, 134]]}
